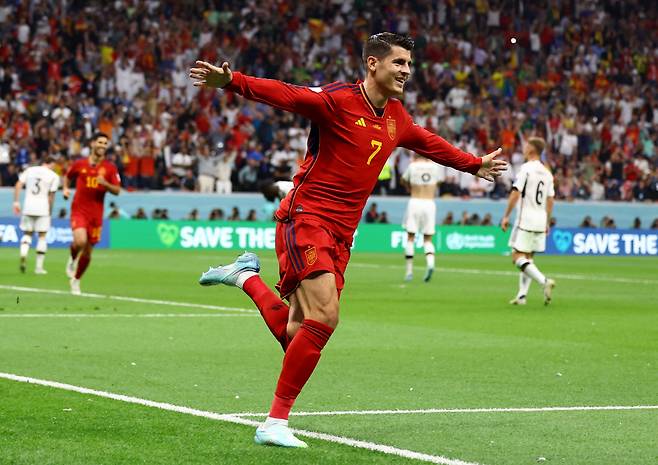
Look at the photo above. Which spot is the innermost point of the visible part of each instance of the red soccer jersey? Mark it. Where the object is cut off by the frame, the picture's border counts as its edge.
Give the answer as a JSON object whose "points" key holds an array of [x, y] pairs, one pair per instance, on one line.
{"points": [[89, 196], [347, 147]]}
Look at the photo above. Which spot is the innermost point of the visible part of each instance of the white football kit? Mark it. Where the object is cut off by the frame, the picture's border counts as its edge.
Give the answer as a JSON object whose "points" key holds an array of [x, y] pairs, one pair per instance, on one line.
{"points": [[39, 182], [535, 183], [420, 216]]}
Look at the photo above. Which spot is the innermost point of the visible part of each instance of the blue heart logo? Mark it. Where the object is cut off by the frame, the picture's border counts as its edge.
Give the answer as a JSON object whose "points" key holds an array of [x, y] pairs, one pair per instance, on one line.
{"points": [[562, 239]]}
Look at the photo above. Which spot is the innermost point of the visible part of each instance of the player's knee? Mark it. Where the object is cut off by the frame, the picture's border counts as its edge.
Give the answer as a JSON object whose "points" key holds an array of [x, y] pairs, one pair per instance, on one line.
{"points": [[42, 245], [292, 328], [328, 313]]}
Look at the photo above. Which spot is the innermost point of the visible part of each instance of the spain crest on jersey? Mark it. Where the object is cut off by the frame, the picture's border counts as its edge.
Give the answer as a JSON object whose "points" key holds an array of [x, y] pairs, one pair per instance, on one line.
{"points": [[390, 126], [311, 255]]}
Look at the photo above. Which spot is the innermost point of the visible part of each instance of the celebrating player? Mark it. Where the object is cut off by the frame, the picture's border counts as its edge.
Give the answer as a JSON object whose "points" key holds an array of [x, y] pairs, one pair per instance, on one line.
{"points": [[534, 186], [41, 183], [95, 177], [354, 129], [421, 178]]}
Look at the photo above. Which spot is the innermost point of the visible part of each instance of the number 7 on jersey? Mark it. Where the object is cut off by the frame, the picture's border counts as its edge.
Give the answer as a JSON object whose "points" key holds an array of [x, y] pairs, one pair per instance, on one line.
{"points": [[377, 145]]}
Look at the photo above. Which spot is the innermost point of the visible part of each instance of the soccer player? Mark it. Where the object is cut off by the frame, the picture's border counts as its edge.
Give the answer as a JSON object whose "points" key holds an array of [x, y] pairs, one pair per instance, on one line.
{"points": [[421, 178], [534, 187], [41, 183], [95, 177], [354, 129]]}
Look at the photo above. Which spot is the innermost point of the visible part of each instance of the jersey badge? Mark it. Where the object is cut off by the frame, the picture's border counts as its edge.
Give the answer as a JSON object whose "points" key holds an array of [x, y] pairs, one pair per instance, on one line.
{"points": [[360, 122], [84, 171], [390, 126], [311, 255]]}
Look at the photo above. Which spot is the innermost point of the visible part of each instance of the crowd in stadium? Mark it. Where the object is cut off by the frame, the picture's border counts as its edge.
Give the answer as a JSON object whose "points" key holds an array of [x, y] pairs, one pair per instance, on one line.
{"points": [[487, 73]]}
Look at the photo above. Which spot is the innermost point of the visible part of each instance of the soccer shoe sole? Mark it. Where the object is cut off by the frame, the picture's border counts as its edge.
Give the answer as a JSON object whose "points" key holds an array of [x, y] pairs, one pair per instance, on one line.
{"points": [[278, 438], [548, 291], [228, 274]]}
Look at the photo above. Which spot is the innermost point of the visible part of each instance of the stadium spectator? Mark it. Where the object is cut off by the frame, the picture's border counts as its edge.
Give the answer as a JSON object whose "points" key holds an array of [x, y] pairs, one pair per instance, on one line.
{"points": [[235, 214], [448, 219], [207, 166], [251, 215], [140, 214], [216, 214], [193, 215], [372, 215], [587, 222], [637, 223]]}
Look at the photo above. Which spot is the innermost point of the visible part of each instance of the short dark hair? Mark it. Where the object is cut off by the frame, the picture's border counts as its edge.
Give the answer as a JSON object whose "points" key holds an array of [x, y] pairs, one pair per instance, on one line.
{"points": [[48, 159], [97, 135], [379, 45]]}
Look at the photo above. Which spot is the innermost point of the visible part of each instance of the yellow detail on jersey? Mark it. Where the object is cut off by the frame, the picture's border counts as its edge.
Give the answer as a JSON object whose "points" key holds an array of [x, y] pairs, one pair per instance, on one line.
{"points": [[92, 183], [377, 126], [377, 145], [360, 122]]}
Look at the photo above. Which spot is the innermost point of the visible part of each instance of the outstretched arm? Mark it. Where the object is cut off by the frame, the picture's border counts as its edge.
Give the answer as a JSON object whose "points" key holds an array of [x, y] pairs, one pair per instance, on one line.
{"points": [[437, 149], [311, 102]]}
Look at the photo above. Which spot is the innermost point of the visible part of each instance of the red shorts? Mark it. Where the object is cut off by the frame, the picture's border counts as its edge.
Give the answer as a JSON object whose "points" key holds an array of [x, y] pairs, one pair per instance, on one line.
{"points": [[305, 248], [93, 226]]}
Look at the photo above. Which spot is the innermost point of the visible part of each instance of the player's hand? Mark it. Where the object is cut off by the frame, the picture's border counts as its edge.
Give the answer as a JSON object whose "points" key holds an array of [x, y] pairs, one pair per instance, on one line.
{"points": [[17, 208], [504, 223], [207, 75], [66, 193], [492, 168]]}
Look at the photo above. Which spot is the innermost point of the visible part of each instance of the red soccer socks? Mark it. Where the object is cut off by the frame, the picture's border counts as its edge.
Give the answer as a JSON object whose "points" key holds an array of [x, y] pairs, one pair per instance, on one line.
{"points": [[83, 263], [299, 362], [271, 307]]}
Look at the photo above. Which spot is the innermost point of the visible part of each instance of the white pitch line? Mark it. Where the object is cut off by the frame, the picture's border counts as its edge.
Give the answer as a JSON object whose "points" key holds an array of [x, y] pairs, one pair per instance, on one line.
{"points": [[131, 299], [124, 315], [390, 450], [457, 410]]}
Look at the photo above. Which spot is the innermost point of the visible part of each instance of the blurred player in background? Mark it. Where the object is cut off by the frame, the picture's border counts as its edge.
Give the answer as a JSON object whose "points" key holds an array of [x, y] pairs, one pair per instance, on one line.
{"points": [[95, 176], [534, 187], [41, 183], [421, 178], [355, 127]]}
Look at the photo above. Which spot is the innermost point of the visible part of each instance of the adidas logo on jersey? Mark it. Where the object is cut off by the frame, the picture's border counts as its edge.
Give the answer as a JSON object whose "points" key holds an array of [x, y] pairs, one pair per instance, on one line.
{"points": [[360, 122]]}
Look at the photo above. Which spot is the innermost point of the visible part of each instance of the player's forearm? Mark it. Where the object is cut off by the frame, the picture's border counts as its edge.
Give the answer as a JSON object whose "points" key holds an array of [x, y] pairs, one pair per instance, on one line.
{"points": [[511, 203], [51, 203], [439, 150], [17, 191], [113, 189], [549, 209]]}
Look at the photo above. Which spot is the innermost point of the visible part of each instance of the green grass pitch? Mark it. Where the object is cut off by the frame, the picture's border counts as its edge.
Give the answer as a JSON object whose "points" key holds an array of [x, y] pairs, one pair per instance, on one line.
{"points": [[454, 343]]}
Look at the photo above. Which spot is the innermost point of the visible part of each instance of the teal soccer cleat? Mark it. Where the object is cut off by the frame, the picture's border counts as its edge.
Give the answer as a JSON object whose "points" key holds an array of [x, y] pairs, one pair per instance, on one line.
{"points": [[428, 275], [277, 435], [228, 274]]}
